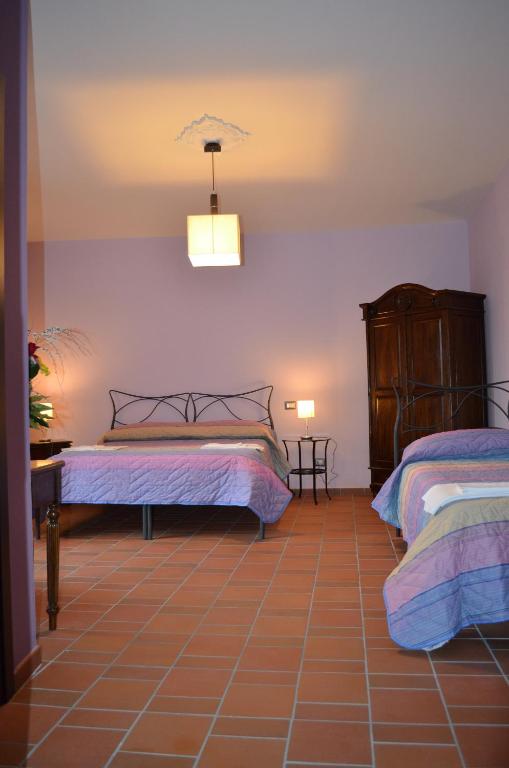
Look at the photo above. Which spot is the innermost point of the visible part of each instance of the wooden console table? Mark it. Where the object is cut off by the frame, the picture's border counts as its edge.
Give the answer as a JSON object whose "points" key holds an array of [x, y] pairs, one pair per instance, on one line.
{"points": [[46, 477]]}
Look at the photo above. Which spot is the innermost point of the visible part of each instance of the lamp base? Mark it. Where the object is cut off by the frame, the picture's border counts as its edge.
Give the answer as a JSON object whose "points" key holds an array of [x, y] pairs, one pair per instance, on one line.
{"points": [[306, 437]]}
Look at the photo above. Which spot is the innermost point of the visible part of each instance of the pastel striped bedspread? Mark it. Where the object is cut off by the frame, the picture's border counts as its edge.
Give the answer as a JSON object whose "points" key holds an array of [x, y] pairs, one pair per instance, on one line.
{"points": [[419, 477], [456, 570], [455, 574]]}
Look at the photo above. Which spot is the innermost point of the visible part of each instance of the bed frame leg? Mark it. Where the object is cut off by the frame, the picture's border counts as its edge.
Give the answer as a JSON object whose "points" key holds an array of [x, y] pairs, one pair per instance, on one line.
{"points": [[147, 521], [261, 531]]}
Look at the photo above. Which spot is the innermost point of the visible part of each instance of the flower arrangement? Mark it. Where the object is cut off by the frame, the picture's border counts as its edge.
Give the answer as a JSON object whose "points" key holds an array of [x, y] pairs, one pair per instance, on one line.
{"points": [[54, 342]]}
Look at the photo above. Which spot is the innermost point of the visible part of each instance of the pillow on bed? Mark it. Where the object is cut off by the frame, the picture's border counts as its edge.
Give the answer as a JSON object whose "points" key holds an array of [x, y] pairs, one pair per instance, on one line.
{"points": [[459, 443], [142, 425], [219, 423], [455, 444], [231, 422], [155, 430]]}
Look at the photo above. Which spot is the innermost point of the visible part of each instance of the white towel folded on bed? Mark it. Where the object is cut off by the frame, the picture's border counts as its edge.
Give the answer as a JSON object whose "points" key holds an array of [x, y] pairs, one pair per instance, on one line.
{"points": [[444, 493], [74, 448], [233, 446]]}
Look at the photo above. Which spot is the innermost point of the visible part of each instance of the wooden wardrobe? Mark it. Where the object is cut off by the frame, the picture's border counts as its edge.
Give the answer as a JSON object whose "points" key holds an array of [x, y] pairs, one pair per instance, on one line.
{"points": [[435, 337]]}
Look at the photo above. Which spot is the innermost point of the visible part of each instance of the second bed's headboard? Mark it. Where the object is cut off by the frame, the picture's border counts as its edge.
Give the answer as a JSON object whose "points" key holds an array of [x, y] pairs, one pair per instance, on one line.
{"points": [[486, 393], [191, 406]]}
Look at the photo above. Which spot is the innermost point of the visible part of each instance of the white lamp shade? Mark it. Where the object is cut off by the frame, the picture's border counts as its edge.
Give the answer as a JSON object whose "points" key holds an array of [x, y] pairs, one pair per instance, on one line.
{"points": [[213, 240], [46, 410], [305, 409]]}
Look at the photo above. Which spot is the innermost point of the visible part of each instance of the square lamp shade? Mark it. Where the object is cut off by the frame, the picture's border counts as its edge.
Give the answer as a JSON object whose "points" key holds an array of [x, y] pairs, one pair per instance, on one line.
{"points": [[305, 409], [213, 240]]}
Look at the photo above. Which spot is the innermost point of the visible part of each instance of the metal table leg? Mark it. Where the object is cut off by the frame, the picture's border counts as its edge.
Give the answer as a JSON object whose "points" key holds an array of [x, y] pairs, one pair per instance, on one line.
{"points": [[300, 468], [147, 521]]}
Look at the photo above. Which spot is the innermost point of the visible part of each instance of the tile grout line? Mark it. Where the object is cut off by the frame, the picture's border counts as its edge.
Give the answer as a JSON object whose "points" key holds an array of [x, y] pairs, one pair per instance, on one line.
{"points": [[93, 585], [306, 637], [114, 570], [182, 651], [446, 709], [328, 765], [82, 632], [147, 574], [195, 631], [241, 652], [438, 685], [108, 666], [364, 639], [77, 568], [405, 723], [493, 656], [163, 559]]}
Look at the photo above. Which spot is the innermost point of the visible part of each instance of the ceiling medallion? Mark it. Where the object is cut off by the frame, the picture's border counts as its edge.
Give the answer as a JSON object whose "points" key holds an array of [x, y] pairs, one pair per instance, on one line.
{"points": [[212, 129]]}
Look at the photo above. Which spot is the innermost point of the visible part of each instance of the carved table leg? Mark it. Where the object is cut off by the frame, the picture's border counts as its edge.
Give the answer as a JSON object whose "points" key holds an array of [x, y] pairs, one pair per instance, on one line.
{"points": [[53, 551]]}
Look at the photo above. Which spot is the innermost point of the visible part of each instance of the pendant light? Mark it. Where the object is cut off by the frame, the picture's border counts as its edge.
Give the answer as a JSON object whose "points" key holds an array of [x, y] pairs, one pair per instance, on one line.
{"points": [[213, 240]]}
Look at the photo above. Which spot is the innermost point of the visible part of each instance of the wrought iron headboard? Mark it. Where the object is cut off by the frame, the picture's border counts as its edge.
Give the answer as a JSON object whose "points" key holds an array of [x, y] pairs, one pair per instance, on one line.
{"points": [[126, 402], [484, 392], [201, 403], [190, 406]]}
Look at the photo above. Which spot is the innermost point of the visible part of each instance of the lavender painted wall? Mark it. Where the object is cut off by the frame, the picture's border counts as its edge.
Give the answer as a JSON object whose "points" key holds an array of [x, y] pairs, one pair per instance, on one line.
{"points": [[36, 312], [489, 264], [289, 317]]}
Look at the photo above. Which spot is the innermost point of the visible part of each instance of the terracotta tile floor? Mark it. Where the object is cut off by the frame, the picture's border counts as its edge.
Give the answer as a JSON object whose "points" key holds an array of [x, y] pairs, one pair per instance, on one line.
{"points": [[206, 649]]}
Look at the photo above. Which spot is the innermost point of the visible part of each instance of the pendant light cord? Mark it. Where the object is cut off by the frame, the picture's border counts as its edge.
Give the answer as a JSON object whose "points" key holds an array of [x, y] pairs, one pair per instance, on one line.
{"points": [[213, 147]]}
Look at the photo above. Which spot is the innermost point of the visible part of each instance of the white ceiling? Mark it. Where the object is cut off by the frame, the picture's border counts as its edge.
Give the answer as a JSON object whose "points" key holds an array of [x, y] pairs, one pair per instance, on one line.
{"points": [[363, 113]]}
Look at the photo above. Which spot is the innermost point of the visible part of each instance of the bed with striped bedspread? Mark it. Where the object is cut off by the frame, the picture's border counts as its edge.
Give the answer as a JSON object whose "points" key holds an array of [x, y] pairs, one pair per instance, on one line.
{"points": [[456, 570]]}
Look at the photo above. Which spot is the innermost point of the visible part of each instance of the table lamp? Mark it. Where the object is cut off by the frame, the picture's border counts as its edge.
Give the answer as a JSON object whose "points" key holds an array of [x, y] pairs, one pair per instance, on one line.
{"points": [[306, 410]]}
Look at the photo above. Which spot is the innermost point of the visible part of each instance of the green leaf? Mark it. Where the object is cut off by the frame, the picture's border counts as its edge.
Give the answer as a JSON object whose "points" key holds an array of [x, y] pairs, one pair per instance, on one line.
{"points": [[36, 409]]}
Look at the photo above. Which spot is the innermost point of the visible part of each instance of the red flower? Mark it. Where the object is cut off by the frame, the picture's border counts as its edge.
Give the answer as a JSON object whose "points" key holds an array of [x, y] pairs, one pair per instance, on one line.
{"points": [[32, 348]]}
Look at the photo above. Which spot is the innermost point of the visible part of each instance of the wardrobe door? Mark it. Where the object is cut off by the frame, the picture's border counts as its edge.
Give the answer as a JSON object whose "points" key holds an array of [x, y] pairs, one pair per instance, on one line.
{"points": [[467, 367], [386, 342], [428, 362]]}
